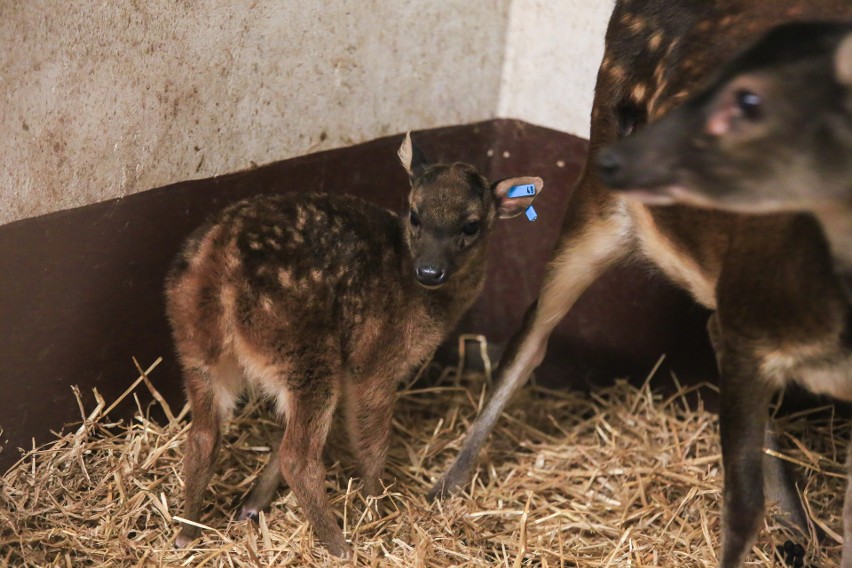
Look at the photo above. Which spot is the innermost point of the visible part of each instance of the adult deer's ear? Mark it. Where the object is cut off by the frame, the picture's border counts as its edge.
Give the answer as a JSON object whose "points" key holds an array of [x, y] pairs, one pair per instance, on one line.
{"points": [[514, 195], [843, 61], [411, 157]]}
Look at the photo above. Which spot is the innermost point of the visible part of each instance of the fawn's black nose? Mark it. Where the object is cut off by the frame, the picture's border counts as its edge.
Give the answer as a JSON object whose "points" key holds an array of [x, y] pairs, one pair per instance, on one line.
{"points": [[610, 167], [430, 275]]}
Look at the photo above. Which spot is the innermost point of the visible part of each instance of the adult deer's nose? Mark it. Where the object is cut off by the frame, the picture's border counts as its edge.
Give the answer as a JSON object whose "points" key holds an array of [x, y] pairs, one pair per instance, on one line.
{"points": [[610, 167]]}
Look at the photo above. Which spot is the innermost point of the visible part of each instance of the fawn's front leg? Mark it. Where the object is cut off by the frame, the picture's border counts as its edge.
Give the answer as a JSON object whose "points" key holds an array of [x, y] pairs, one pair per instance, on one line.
{"points": [[369, 410]]}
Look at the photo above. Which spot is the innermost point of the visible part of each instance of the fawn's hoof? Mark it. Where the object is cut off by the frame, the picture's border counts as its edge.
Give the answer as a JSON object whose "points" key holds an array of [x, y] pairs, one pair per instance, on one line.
{"points": [[251, 514], [185, 538], [342, 551], [793, 554]]}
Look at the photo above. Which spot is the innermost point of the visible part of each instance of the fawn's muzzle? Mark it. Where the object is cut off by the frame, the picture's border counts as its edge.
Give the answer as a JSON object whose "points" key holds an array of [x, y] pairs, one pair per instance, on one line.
{"points": [[430, 275]]}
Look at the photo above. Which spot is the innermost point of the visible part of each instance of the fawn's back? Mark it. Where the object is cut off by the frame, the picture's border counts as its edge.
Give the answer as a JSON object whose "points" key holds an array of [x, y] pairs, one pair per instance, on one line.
{"points": [[301, 281]]}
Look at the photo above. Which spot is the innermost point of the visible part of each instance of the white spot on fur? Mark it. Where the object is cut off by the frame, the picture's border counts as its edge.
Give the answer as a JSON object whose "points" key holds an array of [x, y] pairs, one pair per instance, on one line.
{"points": [[655, 41], [639, 91], [776, 366], [301, 219]]}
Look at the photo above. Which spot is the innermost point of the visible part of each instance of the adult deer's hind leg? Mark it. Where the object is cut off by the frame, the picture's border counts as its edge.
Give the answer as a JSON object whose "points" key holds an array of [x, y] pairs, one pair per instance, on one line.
{"points": [[594, 238], [847, 512]]}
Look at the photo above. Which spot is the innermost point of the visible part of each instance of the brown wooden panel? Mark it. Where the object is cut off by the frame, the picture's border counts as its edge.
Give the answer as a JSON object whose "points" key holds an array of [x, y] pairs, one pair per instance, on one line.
{"points": [[81, 290]]}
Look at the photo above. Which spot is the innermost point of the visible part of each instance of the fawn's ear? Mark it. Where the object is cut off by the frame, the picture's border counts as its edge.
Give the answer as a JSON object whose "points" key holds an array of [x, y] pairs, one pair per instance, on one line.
{"points": [[843, 61], [411, 157], [514, 195]]}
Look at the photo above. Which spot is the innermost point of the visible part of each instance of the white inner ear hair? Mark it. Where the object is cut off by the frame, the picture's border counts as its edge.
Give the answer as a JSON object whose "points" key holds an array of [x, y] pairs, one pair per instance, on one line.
{"points": [[405, 152]]}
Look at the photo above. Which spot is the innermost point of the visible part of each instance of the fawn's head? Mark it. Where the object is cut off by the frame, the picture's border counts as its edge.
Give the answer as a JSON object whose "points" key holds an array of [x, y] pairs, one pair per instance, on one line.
{"points": [[773, 132], [452, 209]]}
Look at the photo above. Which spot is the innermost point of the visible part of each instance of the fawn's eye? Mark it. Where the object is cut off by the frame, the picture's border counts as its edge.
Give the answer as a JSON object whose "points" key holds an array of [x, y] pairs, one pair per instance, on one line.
{"points": [[414, 218], [470, 228], [749, 104]]}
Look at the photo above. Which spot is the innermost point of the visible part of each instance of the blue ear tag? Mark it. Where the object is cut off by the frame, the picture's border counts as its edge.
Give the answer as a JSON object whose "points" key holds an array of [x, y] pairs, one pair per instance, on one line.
{"points": [[525, 190], [521, 190]]}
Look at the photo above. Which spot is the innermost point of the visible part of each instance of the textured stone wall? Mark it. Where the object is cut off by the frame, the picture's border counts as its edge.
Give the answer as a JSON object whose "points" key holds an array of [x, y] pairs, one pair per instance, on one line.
{"points": [[553, 50], [104, 99]]}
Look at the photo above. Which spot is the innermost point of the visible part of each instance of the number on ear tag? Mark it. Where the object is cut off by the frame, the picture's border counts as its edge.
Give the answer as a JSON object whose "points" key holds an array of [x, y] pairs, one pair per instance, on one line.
{"points": [[524, 190]]}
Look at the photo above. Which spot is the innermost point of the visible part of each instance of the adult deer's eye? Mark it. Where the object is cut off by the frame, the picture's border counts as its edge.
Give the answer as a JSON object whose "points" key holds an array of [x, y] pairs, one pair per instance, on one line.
{"points": [[628, 118], [749, 104], [414, 218], [471, 228]]}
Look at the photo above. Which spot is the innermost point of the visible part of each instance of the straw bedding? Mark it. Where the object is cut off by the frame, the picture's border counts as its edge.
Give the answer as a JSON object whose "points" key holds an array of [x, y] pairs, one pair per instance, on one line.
{"points": [[622, 476]]}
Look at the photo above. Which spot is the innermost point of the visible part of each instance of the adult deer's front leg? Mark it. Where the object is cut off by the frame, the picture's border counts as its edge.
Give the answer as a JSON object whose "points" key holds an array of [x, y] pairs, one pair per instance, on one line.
{"points": [[743, 414], [779, 482], [585, 251]]}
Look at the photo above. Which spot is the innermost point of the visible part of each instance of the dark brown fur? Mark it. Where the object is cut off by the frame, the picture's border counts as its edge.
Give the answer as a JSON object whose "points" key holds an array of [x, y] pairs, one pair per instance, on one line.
{"points": [[319, 299], [770, 325], [772, 134]]}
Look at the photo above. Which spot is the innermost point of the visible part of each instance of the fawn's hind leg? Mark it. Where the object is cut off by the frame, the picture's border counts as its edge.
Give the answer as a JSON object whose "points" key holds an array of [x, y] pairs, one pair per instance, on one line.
{"points": [[779, 486], [266, 485], [586, 249], [309, 420], [211, 393]]}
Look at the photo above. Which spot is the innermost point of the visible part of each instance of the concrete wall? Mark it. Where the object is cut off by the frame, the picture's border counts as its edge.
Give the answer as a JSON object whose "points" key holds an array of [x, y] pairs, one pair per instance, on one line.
{"points": [[101, 100], [553, 50]]}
